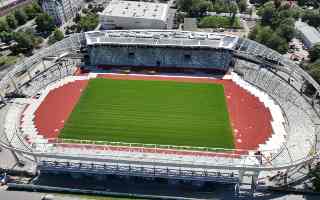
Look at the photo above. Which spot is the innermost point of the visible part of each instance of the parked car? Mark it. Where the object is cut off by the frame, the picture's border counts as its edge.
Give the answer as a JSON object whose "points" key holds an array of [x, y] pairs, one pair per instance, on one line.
{"points": [[4, 179]]}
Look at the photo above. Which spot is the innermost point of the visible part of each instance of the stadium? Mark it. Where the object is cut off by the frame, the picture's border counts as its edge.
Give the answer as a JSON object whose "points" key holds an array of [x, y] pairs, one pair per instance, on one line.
{"points": [[179, 105]]}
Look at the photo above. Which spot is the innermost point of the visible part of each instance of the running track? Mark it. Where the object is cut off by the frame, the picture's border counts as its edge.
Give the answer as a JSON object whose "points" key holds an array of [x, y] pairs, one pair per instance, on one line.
{"points": [[250, 119]]}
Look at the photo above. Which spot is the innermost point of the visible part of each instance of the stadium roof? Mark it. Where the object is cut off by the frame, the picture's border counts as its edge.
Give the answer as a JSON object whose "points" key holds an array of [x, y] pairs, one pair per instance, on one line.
{"points": [[162, 38], [311, 33], [136, 9]]}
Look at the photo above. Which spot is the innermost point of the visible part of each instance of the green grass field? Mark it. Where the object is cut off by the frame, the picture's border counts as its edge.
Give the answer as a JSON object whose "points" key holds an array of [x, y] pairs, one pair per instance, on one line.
{"points": [[151, 112]]}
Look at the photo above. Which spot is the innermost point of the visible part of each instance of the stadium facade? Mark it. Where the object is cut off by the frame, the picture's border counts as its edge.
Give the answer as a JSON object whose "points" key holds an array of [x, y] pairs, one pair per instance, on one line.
{"points": [[255, 66]]}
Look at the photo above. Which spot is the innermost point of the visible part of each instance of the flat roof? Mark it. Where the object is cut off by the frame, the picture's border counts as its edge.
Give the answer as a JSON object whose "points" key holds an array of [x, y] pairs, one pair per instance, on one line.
{"points": [[137, 9], [161, 38]]}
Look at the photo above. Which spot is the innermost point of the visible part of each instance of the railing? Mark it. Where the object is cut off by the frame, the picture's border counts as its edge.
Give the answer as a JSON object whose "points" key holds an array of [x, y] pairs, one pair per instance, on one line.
{"points": [[87, 147], [242, 154], [142, 145]]}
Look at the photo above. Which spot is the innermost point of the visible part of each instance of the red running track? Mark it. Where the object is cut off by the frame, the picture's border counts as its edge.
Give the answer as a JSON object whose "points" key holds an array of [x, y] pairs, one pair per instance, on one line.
{"points": [[250, 119], [54, 111]]}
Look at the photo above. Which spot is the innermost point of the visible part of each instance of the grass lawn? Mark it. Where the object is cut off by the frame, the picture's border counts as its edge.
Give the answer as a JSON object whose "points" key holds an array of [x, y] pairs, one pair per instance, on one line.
{"points": [[219, 22], [151, 112]]}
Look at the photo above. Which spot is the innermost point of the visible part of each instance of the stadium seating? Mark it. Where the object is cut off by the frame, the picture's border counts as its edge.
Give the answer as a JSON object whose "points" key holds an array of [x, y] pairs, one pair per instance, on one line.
{"points": [[299, 115], [278, 136], [294, 119], [165, 57], [28, 127]]}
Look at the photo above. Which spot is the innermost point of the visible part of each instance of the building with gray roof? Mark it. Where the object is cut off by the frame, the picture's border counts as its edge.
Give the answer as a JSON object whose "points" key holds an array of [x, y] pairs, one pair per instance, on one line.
{"points": [[61, 10], [134, 15], [309, 34]]}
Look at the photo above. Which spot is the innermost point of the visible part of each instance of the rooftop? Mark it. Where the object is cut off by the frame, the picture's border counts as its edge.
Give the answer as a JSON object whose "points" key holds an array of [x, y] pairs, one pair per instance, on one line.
{"points": [[136, 9], [310, 32], [162, 38]]}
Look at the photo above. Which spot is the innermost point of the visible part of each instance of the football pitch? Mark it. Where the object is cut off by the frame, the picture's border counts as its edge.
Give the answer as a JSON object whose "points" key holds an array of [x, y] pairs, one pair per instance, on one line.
{"points": [[151, 112]]}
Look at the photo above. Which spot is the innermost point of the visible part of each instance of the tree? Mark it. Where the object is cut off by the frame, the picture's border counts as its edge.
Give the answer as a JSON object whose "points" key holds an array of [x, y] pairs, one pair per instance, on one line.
{"points": [[199, 8], [277, 3], [184, 5], [6, 37], [45, 23], [56, 36], [314, 3], [277, 43], [314, 69], [301, 2], [267, 36], [267, 13], [20, 16], [194, 8], [11, 20], [36, 7], [286, 29], [314, 52], [221, 6], [242, 5], [233, 11], [253, 33], [29, 12], [24, 42], [88, 22], [76, 19], [312, 17], [259, 2], [264, 34], [4, 26]]}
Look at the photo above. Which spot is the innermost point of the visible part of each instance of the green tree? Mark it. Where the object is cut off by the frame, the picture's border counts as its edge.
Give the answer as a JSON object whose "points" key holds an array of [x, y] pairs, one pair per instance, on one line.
{"points": [[254, 32], [286, 29], [314, 70], [233, 11], [4, 26], [267, 13], [45, 23], [301, 2], [242, 5], [277, 3], [221, 6], [11, 20], [24, 43], [264, 34], [314, 52], [199, 7], [6, 37], [37, 8], [56, 36], [20, 16], [259, 2], [88, 22], [277, 43], [184, 5], [312, 17], [267, 36], [31, 11], [314, 3]]}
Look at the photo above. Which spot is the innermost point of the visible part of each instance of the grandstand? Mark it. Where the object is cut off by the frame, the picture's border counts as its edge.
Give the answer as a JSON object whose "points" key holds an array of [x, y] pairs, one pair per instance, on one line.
{"points": [[286, 90]]}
